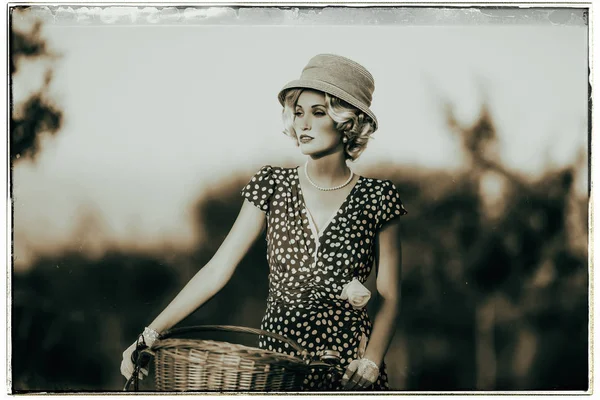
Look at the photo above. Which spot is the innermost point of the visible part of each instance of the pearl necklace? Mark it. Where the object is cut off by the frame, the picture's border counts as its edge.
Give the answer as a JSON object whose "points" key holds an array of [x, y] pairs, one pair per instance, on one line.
{"points": [[327, 189]]}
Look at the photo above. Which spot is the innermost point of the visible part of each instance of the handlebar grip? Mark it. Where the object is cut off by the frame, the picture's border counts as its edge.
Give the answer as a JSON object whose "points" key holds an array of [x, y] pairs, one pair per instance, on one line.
{"points": [[137, 357], [134, 356]]}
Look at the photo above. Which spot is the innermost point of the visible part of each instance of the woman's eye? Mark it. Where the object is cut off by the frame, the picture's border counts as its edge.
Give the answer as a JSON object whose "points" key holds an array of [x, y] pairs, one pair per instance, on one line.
{"points": [[318, 113], [298, 114]]}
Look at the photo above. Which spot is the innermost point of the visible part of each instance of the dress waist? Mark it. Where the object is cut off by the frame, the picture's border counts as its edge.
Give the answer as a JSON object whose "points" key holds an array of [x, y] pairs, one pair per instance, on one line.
{"points": [[308, 299]]}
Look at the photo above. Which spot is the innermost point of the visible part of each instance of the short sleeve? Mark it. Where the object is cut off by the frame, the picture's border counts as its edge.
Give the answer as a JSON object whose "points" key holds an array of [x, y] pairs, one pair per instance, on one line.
{"points": [[260, 188], [391, 206]]}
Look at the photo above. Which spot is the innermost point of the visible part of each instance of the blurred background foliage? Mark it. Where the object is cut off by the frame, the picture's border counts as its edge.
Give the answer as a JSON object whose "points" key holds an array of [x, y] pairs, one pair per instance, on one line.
{"points": [[494, 295], [38, 115]]}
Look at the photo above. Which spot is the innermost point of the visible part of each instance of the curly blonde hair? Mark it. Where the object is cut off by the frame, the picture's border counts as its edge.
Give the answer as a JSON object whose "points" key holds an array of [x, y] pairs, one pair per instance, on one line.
{"points": [[349, 121]]}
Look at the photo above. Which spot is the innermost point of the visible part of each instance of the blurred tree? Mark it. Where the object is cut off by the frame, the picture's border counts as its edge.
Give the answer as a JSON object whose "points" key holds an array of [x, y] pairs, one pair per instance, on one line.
{"points": [[506, 251], [37, 115]]}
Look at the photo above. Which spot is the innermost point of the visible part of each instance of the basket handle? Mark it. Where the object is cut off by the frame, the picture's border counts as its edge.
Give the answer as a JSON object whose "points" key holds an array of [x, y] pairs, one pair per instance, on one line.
{"points": [[230, 328]]}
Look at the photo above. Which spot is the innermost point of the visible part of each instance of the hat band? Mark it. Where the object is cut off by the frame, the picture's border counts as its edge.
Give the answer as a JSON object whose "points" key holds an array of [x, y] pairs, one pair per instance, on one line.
{"points": [[343, 78]]}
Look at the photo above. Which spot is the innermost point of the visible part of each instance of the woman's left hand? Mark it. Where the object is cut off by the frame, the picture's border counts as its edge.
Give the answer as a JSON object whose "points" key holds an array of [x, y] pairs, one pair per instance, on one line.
{"points": [[360, 374]]}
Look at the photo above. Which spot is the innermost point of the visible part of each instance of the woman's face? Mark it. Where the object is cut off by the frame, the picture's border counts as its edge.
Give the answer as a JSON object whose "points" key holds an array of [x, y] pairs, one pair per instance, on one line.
{"points": [[314, 128]]}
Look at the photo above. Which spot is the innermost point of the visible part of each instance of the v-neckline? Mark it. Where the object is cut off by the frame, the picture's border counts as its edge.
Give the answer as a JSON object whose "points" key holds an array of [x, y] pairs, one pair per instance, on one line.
{"points": [[313, 228]]}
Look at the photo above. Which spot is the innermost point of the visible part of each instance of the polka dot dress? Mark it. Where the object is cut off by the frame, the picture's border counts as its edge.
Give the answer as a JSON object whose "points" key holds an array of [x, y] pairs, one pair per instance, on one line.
{"points": [[308, 271]]}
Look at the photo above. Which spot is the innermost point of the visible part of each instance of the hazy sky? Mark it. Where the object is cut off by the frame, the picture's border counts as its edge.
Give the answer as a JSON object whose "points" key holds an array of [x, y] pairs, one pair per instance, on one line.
{"points": [[156, 114]]}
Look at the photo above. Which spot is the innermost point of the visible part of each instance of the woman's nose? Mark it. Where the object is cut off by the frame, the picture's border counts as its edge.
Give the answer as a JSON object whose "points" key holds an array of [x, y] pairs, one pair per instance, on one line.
{"points": [[305, 124]]}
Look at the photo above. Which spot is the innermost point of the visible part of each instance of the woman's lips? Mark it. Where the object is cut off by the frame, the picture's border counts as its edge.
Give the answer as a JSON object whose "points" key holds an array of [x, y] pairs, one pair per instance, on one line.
{"points": [[305, 139]]}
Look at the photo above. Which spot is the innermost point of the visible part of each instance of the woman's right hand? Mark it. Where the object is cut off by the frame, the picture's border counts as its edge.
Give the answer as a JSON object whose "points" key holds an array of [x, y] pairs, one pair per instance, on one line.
{"points": [[127, 365]]}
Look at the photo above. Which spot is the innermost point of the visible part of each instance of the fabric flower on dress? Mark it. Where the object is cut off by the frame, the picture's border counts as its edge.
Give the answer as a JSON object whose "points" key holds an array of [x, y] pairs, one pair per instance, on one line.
{"points": [[357, 295]]}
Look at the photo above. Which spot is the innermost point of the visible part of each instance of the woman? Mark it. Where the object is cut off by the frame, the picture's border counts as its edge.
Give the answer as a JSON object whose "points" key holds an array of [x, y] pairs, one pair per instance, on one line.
{"points": [[326, 228]]}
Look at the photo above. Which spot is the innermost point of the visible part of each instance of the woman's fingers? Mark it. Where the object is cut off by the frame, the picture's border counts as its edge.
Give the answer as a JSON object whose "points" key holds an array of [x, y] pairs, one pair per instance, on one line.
{"points": [[349, 374], [360, 374], [363, 383], [355, 380], [125, 370], [127, 366]]}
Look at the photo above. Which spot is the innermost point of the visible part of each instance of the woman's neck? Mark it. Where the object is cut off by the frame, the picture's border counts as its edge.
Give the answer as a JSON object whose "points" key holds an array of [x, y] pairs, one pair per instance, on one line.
{"points": [[329, 170]]}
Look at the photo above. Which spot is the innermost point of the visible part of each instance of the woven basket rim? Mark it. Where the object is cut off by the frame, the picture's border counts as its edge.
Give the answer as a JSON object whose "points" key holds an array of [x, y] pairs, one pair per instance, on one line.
{"points": [[218, 346]]}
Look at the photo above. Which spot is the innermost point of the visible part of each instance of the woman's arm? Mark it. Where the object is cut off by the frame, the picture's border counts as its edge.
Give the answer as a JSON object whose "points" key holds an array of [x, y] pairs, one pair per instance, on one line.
{"points": [[216, 273], [209, 280], [363, 373], [389, 256]]}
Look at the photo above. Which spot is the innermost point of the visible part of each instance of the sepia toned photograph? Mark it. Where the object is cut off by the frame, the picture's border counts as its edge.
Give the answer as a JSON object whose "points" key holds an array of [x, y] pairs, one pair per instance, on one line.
{"points": [[322, 199]]}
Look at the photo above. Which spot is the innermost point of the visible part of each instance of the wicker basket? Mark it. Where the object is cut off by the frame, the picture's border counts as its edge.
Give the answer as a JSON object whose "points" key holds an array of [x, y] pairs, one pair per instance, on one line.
{"points": [[208, 365]]}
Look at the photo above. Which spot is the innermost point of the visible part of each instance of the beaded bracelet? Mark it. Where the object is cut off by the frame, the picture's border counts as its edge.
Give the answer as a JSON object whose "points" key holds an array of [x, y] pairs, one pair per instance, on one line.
{"points": [[150, 336], [371, 363]]}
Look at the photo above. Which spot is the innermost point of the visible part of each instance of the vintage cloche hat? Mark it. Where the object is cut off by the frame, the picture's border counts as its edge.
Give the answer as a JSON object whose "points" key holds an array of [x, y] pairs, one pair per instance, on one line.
{"points": [[338, 76]]}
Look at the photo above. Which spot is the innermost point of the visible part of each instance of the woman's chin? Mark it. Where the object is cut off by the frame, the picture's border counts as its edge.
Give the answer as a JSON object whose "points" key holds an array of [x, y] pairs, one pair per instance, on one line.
{"points": [[307, 149], [312, 151]]}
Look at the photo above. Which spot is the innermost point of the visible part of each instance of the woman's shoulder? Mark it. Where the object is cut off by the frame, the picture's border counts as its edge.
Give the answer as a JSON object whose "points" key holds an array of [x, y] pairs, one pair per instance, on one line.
{"points": [[390, 204], [277, 173], [377, 183]]}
